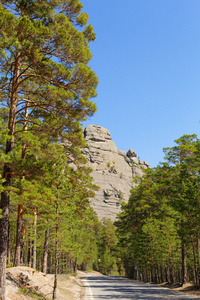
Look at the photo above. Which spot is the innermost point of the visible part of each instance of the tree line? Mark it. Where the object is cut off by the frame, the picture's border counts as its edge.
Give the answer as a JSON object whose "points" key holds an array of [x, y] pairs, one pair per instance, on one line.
{"points": [[158, 228], [46, 91]]}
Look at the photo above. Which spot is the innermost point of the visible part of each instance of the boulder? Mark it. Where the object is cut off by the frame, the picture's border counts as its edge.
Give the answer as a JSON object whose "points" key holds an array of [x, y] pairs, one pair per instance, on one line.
{"points": [[134, 161], [96, 133], [131, 153], [122, 153]]}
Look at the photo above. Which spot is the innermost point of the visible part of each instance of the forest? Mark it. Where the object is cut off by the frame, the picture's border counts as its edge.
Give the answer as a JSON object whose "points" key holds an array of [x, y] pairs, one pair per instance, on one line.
{"points": [[46, 92], [158, 228]]}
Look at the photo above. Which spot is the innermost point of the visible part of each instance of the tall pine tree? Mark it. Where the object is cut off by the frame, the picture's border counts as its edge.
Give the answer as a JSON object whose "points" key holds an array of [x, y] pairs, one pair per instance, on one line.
{"points": [[44, 52]]}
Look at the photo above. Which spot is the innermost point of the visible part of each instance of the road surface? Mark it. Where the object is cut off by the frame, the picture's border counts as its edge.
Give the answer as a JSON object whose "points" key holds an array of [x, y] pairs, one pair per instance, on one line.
{"points": [[100, 287]]}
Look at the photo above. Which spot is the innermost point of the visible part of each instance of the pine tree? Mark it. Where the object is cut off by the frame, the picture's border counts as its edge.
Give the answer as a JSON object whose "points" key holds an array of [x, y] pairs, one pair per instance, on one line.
{"points": [[107, 247], [184, 189], [43, 65]]}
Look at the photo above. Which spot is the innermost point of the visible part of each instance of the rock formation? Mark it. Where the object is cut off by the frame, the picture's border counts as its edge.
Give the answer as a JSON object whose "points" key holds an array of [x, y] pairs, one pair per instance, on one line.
{"points": [[113, 171]]}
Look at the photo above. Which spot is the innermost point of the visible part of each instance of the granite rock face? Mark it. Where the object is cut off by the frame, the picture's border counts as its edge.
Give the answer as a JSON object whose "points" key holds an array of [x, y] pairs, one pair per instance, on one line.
{"points": [[113, 171]]}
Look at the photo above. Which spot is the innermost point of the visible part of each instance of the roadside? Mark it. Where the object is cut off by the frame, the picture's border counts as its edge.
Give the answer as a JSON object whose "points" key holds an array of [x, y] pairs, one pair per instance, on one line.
{"points": [[187, 288], [24, 283], [37, 285]]}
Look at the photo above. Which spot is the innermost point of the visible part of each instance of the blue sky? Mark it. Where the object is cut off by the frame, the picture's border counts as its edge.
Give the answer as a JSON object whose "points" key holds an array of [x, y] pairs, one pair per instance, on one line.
{"points": [[147, 58]]}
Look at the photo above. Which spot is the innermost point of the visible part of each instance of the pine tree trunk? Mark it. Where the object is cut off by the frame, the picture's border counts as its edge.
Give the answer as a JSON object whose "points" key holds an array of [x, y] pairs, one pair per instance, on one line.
{"points": [[195, 264], [180, 275], [198, 250], [158, 274], [29, 253], [66, 264], [8, 245], [161, 274], [198, 256], [7, 175], [146, 275], [60, 265], [39, 262], [155, 274], [70, 265], [20, 206], [35, 240], [75, 265], [23, 247], [4, 223], [56, 257], [152, 274], [172, 275], [168, 279], [18, 237], [22, 257], [45, 255], [56, 272], [3, 242], [51, 264], [184, 266]]}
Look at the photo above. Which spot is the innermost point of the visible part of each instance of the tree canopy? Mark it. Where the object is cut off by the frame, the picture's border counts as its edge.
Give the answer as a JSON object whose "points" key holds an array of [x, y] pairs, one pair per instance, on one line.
{"points": [[46, 89]]}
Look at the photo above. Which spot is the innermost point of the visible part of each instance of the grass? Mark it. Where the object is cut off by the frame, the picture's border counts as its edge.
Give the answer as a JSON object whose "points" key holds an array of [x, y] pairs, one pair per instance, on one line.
{"points": [[32, 294]]}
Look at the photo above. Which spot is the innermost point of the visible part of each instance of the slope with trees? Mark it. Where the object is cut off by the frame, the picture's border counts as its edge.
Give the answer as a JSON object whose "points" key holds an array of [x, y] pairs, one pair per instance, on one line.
{"points": [[158, 228]]}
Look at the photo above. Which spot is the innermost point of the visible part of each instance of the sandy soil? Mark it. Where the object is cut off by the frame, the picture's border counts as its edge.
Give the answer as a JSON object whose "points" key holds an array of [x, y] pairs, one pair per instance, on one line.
{"points": [[69, 287]]}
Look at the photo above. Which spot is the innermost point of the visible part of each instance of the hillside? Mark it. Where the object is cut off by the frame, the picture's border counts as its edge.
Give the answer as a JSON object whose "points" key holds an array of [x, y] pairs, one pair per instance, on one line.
{"points": [[39, 286]]}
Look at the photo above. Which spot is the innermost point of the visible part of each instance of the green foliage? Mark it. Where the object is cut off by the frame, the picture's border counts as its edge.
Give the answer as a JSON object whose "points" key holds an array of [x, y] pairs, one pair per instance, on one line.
{"points": [[46, 91], [162, 215], [107, 248], [32, 294], [10, 265]]}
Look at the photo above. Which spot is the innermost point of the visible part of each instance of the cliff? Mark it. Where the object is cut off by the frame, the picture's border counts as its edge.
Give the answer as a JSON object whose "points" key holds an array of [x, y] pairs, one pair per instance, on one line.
{"points": [[113, 171]]}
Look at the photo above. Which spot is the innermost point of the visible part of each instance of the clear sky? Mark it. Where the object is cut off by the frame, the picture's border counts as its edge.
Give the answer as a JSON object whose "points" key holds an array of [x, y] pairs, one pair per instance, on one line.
{"points": [[147, 58]]}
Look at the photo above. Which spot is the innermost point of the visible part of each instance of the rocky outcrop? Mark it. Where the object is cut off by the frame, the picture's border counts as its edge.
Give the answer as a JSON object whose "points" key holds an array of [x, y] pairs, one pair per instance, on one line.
{"points": [[113, 171]]}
